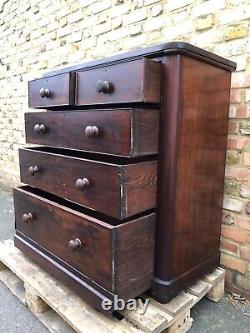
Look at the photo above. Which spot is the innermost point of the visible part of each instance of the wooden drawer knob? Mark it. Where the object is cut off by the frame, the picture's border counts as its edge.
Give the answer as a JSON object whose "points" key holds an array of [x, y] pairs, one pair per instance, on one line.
{"points": [[82, 183], [27, 218], [103, 87], [39, 129], [91, 131], [75, 244], [33, 170], [45, 92], [42, 92]]}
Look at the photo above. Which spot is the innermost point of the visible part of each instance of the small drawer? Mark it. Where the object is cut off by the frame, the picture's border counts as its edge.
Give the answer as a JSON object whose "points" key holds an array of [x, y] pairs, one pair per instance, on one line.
{"points": [[109, 255], [124, 132], [112, 186], [58, 90], [129, 82]]}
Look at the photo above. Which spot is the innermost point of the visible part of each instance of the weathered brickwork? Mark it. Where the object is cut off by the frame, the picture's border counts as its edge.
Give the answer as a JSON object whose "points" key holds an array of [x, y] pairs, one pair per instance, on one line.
{"points": [[39, 35]]}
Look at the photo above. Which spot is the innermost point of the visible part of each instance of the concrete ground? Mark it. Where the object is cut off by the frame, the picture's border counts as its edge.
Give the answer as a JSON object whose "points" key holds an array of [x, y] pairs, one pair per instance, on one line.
{"points": [[209, 317]]}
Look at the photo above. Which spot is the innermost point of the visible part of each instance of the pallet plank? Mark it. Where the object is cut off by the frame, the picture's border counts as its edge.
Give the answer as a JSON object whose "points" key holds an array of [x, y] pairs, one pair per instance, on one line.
{"points": [[61, 310], [200, 288], [180, 303], [50, 319], [153, 320], [68, 305], [2, 267], [182, 325], [53, 322], [216, 276], [217, 292]]}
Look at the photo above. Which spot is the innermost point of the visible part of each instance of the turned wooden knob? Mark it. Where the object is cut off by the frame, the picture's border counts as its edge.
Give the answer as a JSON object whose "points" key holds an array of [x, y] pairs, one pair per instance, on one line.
{"points": [[82, 183], [47, 93], [75, 244], [91, 131], [42, 92], [39, 129], [103, 87], [27, 218], [33, 170]]}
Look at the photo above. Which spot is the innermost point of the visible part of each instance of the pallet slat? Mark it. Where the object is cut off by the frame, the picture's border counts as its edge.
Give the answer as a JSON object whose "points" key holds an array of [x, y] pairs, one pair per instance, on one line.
{"points": [[153, 321], [61, 310], [179, 304]]}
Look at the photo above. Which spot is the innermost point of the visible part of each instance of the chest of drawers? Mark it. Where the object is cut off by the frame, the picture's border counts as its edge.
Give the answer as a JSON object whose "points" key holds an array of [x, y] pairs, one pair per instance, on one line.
{"points": [[125, 181]]}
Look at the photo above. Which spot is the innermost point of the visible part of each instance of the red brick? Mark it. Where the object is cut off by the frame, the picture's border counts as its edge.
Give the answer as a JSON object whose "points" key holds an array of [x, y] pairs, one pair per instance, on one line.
{"points": [[241, 174], [245, 190], [245, 252], [228, 246], [247, 159], [229, 276], [233, 127], [243, 281], [248, 207], [238, 80], [234, 263], [227, 218], [242, 111], [236, 142], [236, 234], [243, 222], [247, 83], [235, 95]]}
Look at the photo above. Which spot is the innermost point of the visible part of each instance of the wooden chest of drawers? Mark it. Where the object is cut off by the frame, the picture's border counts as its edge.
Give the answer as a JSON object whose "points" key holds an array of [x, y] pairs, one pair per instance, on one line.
{"points": [[125, 181]]}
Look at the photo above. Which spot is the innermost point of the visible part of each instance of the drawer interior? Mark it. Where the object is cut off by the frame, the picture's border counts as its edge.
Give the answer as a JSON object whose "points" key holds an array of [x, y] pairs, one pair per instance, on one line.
{"points": [[92, 214], [110, 159]]}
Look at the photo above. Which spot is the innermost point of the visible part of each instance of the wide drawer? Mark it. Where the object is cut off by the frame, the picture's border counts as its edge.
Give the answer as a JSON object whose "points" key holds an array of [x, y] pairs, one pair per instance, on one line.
{"points": [[117, 187], [58, 90], [110, 255], [125, 132], [134, 81]]}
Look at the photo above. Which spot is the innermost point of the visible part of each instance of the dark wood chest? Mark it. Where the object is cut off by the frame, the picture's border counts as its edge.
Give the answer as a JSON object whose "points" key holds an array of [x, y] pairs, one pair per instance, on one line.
{"points": [[125, 176]]}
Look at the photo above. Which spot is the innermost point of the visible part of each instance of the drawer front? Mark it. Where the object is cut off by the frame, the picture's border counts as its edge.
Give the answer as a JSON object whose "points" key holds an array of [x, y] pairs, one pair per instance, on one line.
{"points": [[100, 186], [127, 132], [53, 228], [58, 90], [108, 255], [134, 81]]}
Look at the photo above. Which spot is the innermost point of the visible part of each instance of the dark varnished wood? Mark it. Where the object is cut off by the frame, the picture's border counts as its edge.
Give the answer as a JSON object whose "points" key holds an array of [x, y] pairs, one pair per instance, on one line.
{"points": [[126, 132], [115, 189], [128, 82], [155, 51], [108, 255], [57, 90], [191, 172], [191, 87]]}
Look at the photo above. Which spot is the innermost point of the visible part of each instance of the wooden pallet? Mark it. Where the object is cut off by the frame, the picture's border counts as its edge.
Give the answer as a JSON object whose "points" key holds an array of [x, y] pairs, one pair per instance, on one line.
{"points": [[61, 310]]}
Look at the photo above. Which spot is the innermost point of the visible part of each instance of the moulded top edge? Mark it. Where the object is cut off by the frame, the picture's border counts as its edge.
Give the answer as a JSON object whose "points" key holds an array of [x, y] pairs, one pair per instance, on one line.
{"points": [[153, 52]]}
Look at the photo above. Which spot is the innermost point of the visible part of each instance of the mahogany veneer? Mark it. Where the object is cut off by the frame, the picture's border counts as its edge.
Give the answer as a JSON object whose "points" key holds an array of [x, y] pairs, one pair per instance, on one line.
{"points": [[108, 254], [140, 137], [125, 132], [112, 188]]}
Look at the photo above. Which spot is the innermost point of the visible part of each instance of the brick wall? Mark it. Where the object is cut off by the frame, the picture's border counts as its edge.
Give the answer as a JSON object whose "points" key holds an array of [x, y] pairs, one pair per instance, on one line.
{"points": [[39, 35]]}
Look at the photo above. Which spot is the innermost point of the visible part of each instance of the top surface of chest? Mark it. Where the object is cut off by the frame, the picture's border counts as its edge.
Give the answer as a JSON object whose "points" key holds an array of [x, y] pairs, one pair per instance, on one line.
{"points": [[133, 77]]}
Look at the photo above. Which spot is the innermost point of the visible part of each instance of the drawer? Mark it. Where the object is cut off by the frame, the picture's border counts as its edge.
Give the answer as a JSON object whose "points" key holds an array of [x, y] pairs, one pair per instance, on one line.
{"points": [[110, 255], [113, 186], [58, 90], [134, 81], [125, 132]]}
